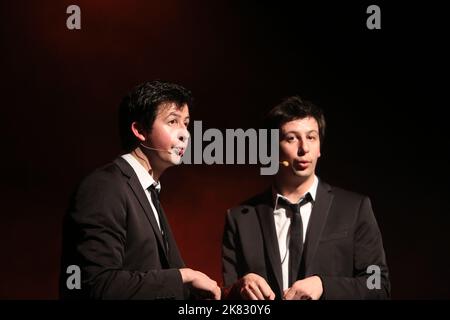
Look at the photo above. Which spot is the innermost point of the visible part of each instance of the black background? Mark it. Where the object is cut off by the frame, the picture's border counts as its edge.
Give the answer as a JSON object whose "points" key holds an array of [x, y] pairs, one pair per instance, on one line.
{"points": [[383, 92]]}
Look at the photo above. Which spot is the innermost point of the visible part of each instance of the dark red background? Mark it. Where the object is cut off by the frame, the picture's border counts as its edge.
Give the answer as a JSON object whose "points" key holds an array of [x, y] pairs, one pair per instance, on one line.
{"points": [[386, 137]]}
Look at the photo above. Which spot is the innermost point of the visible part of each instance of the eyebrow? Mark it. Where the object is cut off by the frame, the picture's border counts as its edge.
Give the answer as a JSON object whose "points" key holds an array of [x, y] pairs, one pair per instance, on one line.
{"points": [[175, 114], [308, 132]]}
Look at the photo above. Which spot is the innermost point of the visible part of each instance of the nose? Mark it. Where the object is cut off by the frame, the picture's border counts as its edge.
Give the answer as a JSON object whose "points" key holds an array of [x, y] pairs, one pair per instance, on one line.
{"points": [[183, 135], [303, 147]]}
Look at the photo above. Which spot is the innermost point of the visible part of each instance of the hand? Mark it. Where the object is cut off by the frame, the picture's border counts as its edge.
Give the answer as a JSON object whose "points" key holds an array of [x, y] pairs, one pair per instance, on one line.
{"points": [[201, 285], [306, 289], [253, 287]]}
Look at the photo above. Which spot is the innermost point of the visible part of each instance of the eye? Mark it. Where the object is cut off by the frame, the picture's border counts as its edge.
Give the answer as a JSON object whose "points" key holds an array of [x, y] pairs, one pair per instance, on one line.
{"points": [[173, 121], [312, 138], [290, 138]]}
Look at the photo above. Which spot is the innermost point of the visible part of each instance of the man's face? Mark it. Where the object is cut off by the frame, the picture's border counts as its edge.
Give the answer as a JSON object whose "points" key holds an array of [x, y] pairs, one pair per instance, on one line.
{"points": [[300, 146], [169, 132]]}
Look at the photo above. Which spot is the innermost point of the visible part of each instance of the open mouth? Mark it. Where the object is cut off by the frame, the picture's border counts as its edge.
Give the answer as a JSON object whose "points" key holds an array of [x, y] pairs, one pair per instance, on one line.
{"points": [[179, 151]]}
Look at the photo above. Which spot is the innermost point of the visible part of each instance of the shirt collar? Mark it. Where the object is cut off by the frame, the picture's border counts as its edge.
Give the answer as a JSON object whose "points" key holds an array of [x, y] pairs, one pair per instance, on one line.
{"points": [[312, 190], [142, 174]]}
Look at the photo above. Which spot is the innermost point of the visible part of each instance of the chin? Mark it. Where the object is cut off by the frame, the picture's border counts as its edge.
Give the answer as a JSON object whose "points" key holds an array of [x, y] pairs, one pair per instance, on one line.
{"points": [[303, 174], [175, 161]]}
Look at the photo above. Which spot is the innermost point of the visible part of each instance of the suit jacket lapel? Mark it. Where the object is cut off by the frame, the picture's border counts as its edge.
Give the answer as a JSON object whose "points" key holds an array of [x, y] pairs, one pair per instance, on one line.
{"points": [[322, 205], [265, 214], [136, 186]]}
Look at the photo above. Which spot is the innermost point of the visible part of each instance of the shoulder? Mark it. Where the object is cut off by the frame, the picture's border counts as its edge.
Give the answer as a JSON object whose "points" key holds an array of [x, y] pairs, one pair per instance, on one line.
{"points": [[103, 175], [338, 192], [347, 195], [103, 194], [248, 207], [106, 179], [346, 200]]}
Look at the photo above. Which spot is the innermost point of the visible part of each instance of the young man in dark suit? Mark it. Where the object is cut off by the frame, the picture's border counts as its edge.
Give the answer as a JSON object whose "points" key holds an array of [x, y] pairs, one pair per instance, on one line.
{"points": [[302, 238], [115, 230]]}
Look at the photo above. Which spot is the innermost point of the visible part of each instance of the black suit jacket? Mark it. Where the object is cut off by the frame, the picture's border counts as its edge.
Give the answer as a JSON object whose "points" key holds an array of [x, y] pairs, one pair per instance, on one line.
{"points": [[342, 240], [111, 233]]}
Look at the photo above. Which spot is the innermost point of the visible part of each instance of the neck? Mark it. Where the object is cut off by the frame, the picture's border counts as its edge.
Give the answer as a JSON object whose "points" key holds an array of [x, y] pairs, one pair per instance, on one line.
{"points": [[144, 160], [293, 189]]}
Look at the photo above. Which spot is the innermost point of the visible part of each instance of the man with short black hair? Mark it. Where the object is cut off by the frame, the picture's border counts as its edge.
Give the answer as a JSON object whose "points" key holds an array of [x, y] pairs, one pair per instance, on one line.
{"points": [[302, 238], [115, 229]]}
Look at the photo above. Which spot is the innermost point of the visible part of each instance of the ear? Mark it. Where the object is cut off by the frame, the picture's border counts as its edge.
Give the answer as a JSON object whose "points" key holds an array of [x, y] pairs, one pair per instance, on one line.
{"points": [[138, 131]]}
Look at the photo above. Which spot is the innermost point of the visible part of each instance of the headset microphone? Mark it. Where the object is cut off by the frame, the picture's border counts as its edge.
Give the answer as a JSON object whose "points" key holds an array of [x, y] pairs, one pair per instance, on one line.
{"points": [[285, 163], [168, 151]]}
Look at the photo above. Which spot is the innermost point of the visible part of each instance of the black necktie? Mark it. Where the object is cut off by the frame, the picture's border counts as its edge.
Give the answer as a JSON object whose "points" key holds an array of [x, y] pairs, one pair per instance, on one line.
{"points": [[162, 222], [296, 237]]}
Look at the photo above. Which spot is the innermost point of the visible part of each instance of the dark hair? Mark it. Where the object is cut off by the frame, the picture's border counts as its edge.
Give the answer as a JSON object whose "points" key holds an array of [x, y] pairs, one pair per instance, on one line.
{"points": [[142, 105], [293, 108]]}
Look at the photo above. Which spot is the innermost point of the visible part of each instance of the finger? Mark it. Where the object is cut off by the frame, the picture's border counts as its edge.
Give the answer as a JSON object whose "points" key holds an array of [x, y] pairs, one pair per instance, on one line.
{"points": [[256, 291], [289, 294], [248, 295], [217, 293], [272, 296], [266, 290], [211, 289]]}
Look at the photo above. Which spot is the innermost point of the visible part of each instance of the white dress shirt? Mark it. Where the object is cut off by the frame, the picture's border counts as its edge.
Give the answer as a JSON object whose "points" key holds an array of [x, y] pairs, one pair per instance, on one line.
{"points": [[145, 179], [282, 217]]}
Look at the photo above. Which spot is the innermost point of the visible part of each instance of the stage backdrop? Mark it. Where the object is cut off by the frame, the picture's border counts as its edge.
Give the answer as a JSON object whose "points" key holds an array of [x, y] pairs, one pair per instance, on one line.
{"points": [[60, 90]]}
